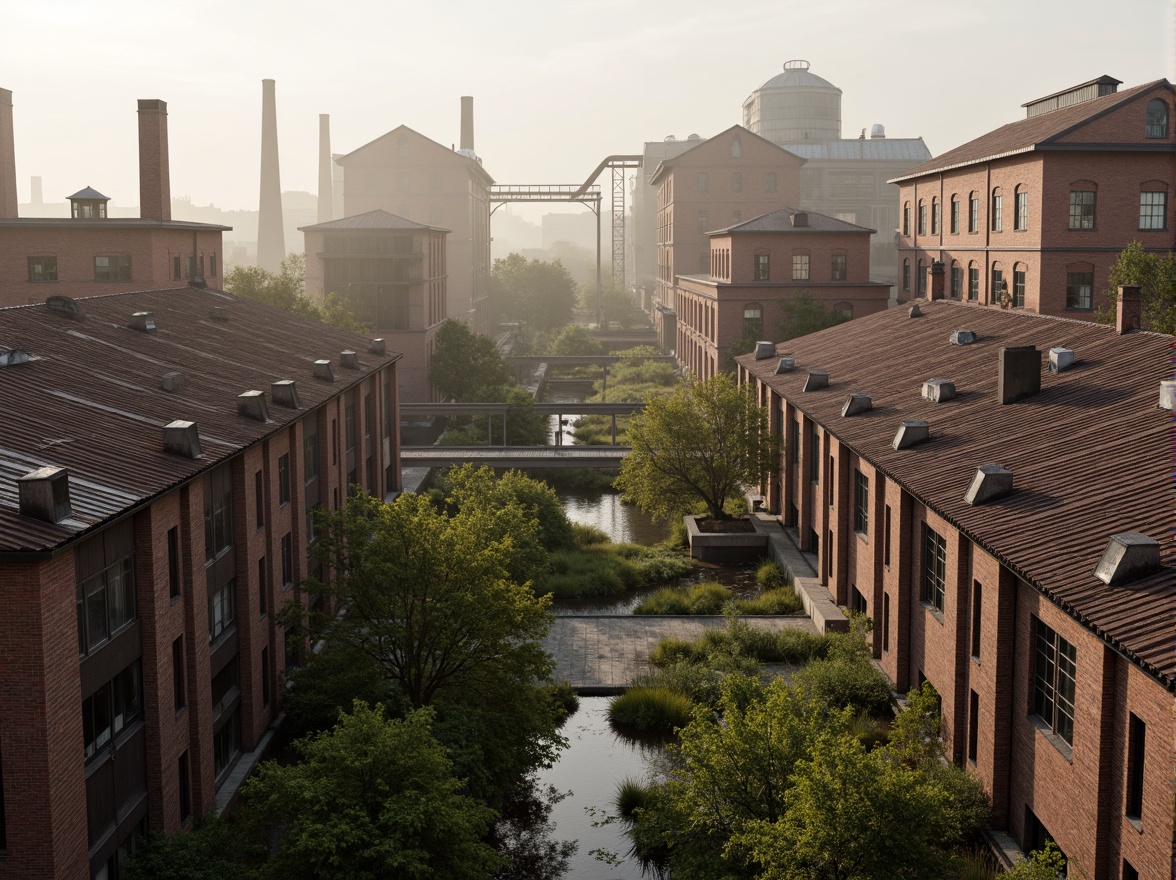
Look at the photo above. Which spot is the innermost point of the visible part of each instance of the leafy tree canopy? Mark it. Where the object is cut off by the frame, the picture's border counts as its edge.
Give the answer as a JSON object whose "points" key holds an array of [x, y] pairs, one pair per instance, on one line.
{"points": [[538, 294], [803, 315], [1156, 275], [286, 290], [701, 443], [574, 340], [467, 366], [468, 486]]}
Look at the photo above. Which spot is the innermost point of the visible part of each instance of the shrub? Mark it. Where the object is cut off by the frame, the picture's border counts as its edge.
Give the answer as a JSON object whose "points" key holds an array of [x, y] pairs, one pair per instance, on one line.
{"points": [[608, 569], [771, 576], [840, 682], [564, 698], [782, 600], [651, 708], [670, 651], [699, 680], [632, 794], [587, 536], [705, 598]]}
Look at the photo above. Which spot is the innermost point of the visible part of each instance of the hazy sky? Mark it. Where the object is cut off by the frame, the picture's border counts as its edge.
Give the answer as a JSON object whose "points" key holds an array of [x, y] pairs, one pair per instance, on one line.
{"points": [[557, 84]]}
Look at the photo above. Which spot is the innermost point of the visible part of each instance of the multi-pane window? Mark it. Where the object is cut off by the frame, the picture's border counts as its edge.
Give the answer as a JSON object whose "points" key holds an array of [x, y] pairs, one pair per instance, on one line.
{"points": [[287, 560], [763, 267], [974, 214], [753, 321], [310, 453], [736, 182], [935, 216], [1079, 290], [1054, 666], [1136, 739], [226, 687], [1021, 221], [770, 182], [284, 478], [840, 267], [1019, 288], [218, 527], [973, 282], [105, 604], [922, 279], [800, 267], [906, 218], [955, 215], [997, 205], [922, 219], [226, 744], [349, 424], [114, 268], [1082, 209], [906, 274], [934, 574], [861, 502], [43, 268], [221, 608], [997, 282], [1156, 121], [703, 182], [1153, 209], [957, 281], [110, 709]]}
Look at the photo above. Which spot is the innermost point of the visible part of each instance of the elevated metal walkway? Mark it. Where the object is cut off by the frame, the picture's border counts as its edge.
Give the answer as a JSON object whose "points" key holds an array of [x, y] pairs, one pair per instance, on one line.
{"points": [[515, 456]]}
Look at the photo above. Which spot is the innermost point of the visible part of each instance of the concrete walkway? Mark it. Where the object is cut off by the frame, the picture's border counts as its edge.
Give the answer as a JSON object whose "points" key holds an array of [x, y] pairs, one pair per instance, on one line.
{"points": [[601, 654]]}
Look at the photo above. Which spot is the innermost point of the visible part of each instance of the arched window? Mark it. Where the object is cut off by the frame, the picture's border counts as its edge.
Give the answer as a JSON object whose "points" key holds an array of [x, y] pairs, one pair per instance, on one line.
{"points": [[736, 148], [997, 213], [922, 278], [1156, 125], [955, 215], [906, 218], [973, 212], [973, 282], [998, 289], [934, 216], [957, 280], [1021, 207], [922, 218], [1019, 272], [906, 275]]}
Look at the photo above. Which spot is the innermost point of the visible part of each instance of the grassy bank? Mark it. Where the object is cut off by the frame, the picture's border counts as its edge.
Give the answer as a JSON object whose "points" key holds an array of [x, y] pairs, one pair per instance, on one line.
{"points": [[602, 569]]}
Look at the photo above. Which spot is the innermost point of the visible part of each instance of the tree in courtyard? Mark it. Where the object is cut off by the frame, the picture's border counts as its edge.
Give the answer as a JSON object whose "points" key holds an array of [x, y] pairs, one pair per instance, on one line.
{"points": [[286, 290], [538, 294], [701, 443], [804, 315], [574, 340], [467, 366], [1156, 275]]}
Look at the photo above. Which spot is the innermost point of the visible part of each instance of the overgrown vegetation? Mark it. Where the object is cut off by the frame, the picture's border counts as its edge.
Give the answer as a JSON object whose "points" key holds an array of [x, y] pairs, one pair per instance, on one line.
{"points": [[633, 379], [538, 295], [710, 598], [651, 708], [1156, 275], [286, 290]]}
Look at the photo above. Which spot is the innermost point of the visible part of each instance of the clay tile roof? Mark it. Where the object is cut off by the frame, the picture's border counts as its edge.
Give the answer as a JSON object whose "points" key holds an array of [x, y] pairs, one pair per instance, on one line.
{"points": [[780, 220], [1091, 453], [377, 219]]}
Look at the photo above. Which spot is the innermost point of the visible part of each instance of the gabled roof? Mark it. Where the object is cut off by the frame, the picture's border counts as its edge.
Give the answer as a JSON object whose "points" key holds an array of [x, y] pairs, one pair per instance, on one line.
{"points": [[377, 219], [402, 129], [870, 149], [780, 220], [89, 194], [1029, 134], [1091, 453], [666, 164]]}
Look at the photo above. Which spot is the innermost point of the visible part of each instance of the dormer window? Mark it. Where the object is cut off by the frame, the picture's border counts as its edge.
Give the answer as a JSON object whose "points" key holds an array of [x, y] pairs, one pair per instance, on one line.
{"points": [[1156, 124], [88, 204]]}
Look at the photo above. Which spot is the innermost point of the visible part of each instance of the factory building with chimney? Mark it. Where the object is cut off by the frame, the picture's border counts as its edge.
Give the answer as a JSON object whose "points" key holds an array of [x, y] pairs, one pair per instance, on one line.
{"points": [[91, 253]]}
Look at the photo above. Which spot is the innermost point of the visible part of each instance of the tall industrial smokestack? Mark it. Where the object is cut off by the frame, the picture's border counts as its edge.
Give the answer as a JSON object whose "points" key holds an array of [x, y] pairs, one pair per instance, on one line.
{"points": [[8, 203], [154, 177], [271, 237], [325, 199], [467, 123]]}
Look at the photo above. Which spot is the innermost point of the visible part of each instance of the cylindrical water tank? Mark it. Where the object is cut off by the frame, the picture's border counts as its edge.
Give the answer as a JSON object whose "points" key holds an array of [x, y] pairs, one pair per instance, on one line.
{"points": [[794, 106]]}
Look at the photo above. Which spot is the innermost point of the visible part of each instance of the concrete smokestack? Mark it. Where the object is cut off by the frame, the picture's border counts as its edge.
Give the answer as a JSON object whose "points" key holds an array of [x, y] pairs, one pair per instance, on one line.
{"points": [[36, 196], [271, 237], [8, 203], [325, 199], [154, 176], [467, 122]]}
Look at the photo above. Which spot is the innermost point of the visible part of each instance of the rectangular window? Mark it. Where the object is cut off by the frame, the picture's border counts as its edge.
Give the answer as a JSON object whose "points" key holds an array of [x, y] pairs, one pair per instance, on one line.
{"points": [[387, 407], [1079, 290], [262, 589], [226, 744], [906, 275], [212, 266], [770, 182], [221, 609], [1136, 736], [111, 709], [763, 267], [703, 222], [794, 440], [258, 500], [703, 182], [178, 673], [840, 265], [974, 215], [284, 479], [800, 267], [973, 283], [265, 677], [173, 561], [287, 560], [1019, 288], [830, 483], [1021, 221], [185, 795], [955, 216], [1055, 663], [861, 503], [369, 417], [218, 527], [1153, 211], [310, 453], [753, 321], [736, 182], [957, 282], [973, 725], [857, 602], [977, 610], [1082, 209], [886, 537], [906, 219], [226, 686], [177, 272], [933, 583], [43, 268], [922, 279], [922, 219], [935, 217], [105, 604], [997, 217], [885, 622], [116, 268], [349, 424], [815, 456]]}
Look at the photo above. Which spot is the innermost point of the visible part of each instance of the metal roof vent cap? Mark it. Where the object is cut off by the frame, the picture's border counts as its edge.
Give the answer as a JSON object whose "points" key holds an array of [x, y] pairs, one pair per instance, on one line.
{"points": [[938, 390], [786, 365], [172, 382], [144, 322], [963, 337], [322, 370], [817, 379], [1060, 359], [44, 494], [220, 313], [377, 347], [182, 438], [285, 393], [10, 357], [1168, 395], [914, 311], [63, 305], [349, 359], [251, 404], [911, 432], [856, 403], [990, 481], [1129, 555], [765, 349]]}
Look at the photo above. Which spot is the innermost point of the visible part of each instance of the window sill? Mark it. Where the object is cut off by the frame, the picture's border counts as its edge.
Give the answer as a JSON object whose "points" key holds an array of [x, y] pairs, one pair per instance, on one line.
{"points": [[1066, 750], [932, 610]]}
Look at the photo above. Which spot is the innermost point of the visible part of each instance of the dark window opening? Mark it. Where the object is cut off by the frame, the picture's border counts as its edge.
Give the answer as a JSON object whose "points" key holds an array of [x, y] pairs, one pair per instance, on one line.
{"points": [[934, 574], [1136, 737], [1054, 668], [178, 673], [173, 561], [105, 605], [977, 606], [973, 725]]}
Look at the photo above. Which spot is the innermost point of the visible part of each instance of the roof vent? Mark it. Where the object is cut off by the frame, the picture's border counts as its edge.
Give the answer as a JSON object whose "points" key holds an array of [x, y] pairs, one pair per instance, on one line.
{"points": [[285, 393], [963, 337], [220, 313], [856, 403], [764, 349], [1019, 373], [144, 322], [251, 404], [44, 494], [990, 481], [938, 390], [800, 218], [10, 357], [172, 382], [1129, 555], [377, 347], [63, 305], [817, 379], [349, 359], [1168, 395], [914, 311], [911, 432], [786, 365], [182, 438], [1060, 359], [322, 370]]}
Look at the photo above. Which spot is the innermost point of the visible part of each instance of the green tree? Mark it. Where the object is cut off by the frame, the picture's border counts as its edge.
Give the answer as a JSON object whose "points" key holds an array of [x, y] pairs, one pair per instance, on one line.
{"points": [[804, 315], [1044, 864], [537, 294], [1156, 275], [467, 366], [215, 848], [372, 798], [286, 290], [468, 486], [701, 443], [616, 302], [574, 340]]}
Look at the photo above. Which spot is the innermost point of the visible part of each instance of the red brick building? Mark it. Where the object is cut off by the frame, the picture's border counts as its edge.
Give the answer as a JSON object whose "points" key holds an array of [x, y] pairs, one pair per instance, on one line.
{"points": [[758, 264], [163, 451], [1044, 205], [968, 498], [90, 253], [393, 273]]}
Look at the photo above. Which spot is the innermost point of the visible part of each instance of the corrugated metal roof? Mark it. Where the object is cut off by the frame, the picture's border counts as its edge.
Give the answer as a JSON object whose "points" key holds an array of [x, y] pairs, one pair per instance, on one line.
{"points": [[780, 220], [867, 149], [1091, 453], [377, 219], [90, 400]]}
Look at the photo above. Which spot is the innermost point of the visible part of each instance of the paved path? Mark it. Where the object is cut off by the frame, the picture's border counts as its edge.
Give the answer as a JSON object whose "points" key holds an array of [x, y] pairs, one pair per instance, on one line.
{"points": [[600, 654]]}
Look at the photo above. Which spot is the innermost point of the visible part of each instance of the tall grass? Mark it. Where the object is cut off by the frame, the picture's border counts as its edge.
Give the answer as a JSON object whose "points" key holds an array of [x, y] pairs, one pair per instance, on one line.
{"points": [[792, 646], [771, 576], [608, 569], [657, 709], [710, 598]]}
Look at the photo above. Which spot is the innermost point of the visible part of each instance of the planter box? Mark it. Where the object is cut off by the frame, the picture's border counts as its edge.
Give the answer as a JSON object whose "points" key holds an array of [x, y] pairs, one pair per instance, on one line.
{"points": [[721, 547]]}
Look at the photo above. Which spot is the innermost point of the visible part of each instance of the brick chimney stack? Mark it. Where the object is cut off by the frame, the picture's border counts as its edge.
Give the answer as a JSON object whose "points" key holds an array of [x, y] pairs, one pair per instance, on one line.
{"points": [[154, 176], [8, 202], [467, 122], [271, 236], [1129, 313], [325, 197]]}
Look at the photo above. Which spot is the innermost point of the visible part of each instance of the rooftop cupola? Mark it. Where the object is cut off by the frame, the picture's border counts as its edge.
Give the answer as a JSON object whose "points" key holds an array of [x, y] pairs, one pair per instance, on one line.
{"points": [[88, 204]]}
